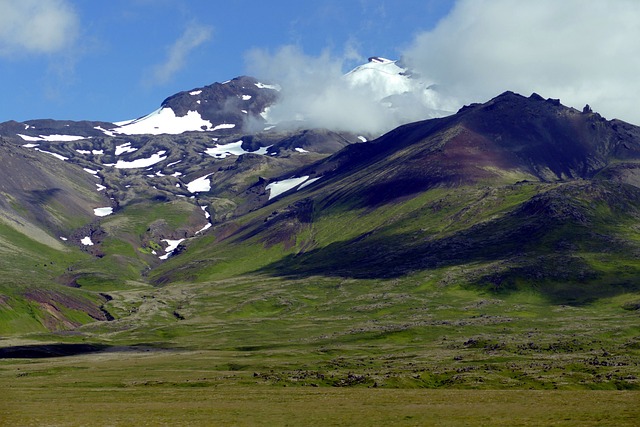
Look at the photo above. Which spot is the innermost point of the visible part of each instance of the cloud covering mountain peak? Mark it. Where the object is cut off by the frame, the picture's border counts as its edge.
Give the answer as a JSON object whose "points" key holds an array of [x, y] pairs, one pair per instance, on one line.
{"points": [[582, 53], [315, 92]]}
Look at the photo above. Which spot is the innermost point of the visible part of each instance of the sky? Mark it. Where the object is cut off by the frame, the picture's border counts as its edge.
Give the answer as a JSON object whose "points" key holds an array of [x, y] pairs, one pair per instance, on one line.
{"points": [[119, 59], [115, 60]]}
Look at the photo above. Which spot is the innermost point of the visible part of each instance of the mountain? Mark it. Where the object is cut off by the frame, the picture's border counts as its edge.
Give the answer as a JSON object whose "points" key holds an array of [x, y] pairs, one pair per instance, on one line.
{"points": [[90, 205], [517, 191], [206, 187], [210, 147], [492, 248], [506, 139]]}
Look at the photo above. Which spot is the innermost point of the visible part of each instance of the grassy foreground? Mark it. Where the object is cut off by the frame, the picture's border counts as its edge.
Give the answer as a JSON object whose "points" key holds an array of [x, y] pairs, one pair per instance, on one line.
{"points": [[259, 350], [267, 406], [159, 388]]}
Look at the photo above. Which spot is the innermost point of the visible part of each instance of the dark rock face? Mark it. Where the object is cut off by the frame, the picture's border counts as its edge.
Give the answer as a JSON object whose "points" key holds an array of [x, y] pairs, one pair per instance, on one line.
{"points": [[510, 137], [35, 128], [239, 101]]}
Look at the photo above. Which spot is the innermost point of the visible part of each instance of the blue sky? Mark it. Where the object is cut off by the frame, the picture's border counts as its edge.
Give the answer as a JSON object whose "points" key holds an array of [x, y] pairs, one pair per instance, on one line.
{"points": [[118, 59]]}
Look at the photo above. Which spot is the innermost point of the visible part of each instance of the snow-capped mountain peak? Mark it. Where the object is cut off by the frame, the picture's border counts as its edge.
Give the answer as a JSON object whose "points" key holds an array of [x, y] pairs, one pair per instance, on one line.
{"points": [[383, 77], [220, 106], [376, 96]]}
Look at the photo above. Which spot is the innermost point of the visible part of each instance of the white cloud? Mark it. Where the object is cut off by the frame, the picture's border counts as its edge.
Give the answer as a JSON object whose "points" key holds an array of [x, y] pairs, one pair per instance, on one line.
{"points": [[314, 90], [178, 52], [36, 26], [578, 51]]}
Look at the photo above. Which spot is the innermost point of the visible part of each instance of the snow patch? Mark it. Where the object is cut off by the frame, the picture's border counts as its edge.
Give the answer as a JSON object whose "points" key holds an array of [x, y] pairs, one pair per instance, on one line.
{"points": [[246, 97], [91, 171], [222, 151], [124, 148], [224, 126], [278, 187], [195, 92], [29, 138], [142, 163], [103, 211], [173, 245], [265, 114], [56, 155], [362, 138], [205, 228], [164, 120], [31, 145], [208, 218], [300, 150], [86, 241], [232, 149], [105, 131], [309, 182], [52, 138], [201, 184]]}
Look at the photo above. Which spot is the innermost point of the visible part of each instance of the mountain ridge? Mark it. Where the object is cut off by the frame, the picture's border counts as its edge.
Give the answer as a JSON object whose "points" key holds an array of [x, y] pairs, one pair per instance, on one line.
{"points": [[148, 205]]}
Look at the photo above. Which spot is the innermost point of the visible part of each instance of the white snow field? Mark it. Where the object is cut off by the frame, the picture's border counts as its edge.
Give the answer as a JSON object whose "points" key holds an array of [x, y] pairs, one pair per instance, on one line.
{"points": [[202, 184], [278, 187], [164, 121], [103, 211]]}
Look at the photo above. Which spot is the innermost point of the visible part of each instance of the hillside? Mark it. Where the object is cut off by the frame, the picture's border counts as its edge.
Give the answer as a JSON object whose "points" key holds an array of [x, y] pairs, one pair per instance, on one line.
{"points": [[515, 191]]}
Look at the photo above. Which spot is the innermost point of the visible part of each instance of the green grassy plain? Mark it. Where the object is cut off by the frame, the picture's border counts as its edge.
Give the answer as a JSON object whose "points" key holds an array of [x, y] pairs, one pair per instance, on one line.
{"points": [[260, 350], [260, 405]]}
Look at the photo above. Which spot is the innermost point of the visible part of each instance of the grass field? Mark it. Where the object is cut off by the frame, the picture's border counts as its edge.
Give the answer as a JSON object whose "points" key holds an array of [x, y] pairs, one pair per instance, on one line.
{"points": [[259, 405], [185, 388], [259, 350]]}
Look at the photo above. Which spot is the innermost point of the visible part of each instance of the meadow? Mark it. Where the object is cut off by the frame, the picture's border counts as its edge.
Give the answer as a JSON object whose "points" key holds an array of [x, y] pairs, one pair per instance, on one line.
{"points": [[262, 350]]}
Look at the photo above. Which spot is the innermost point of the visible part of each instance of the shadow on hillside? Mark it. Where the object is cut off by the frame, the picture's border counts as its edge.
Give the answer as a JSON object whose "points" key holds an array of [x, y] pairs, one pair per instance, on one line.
{"points": [[534, 250], [41, 197], [44, 351]]}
